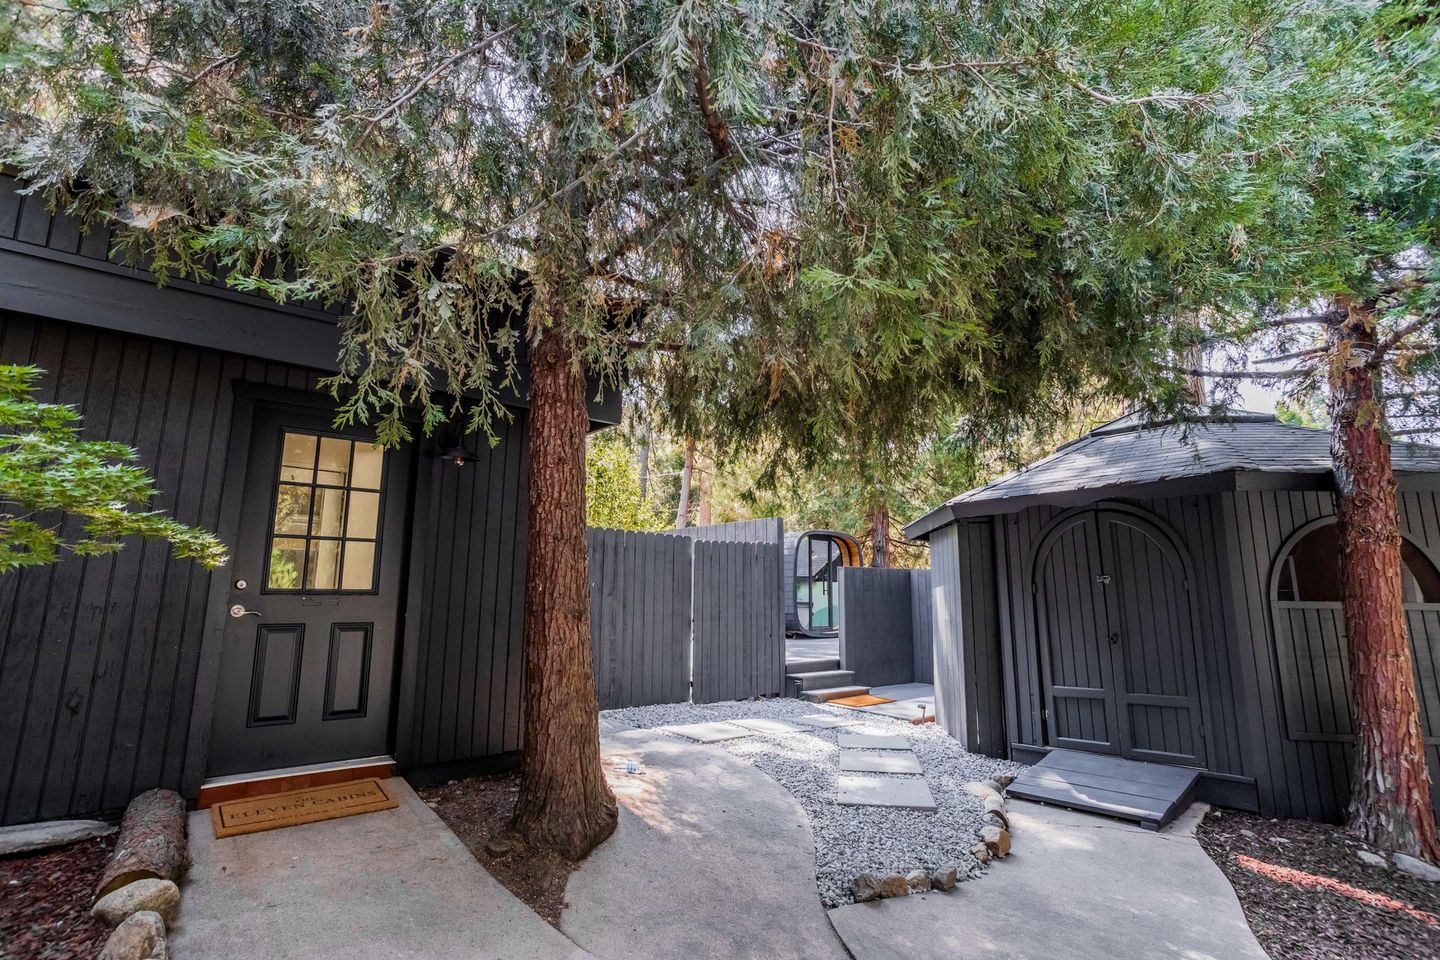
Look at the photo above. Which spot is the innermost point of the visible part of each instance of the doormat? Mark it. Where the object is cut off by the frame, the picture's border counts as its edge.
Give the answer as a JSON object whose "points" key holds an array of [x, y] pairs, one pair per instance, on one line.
{"points": [[863, 700], [330, 802]]}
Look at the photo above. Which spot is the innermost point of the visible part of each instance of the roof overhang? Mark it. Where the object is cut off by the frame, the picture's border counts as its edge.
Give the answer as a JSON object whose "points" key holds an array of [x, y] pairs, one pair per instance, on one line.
{"points": [[1225, 481]]}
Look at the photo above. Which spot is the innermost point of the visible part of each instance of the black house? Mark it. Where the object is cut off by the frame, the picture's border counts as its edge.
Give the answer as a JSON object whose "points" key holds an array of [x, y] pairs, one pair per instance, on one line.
{"points": [[372, 606], [1171, 593]]}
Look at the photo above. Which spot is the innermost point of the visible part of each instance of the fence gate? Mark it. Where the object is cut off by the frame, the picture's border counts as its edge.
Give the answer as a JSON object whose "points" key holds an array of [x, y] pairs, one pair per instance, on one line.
{"points": [[739, 648], [668, 612]]}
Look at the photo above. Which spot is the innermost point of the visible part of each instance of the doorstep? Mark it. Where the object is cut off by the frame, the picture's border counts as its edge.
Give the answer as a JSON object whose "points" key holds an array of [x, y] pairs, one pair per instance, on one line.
{"points": [[241, 786]]}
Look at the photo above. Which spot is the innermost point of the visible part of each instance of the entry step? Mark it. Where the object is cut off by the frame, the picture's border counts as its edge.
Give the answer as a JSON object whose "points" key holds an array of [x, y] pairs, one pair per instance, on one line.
{"points": [[1150, 794], [240, 786], [832, 693], [822, 679]]}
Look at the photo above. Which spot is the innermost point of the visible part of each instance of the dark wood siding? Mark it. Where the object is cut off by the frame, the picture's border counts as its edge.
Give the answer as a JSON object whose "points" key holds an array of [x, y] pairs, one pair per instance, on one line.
{"points": [[969, 669], [101, 657], [461, 689]]}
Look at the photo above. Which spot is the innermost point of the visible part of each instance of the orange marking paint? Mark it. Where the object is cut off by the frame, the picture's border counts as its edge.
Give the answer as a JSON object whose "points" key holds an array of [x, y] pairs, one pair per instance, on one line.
{"points": [[1300, 878]]}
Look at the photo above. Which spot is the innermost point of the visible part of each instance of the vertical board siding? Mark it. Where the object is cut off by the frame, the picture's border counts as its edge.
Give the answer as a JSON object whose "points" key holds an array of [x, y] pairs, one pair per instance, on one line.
{"points": [[739, 641], [99, 656], [877, 636], [468, 548], [922, 626], [965, 613], [639, 617]]}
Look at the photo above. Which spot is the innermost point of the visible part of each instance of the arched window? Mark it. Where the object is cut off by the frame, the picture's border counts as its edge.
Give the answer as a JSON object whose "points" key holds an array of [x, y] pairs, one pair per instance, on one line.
{"points": [[1311, 571]]}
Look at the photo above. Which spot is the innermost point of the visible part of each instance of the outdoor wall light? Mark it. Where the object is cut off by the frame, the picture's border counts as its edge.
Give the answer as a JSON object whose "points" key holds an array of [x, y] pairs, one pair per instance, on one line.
{"points": [[457, 453]]}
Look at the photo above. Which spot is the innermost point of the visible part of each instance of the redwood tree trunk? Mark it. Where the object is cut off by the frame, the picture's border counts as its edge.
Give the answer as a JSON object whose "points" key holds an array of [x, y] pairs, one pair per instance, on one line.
{"points": [[880, 535], [564, 802], [1390, 792]]}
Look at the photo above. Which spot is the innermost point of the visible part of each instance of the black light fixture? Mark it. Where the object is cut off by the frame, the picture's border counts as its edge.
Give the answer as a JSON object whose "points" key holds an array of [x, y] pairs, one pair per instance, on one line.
{"points": [[457, 453]]}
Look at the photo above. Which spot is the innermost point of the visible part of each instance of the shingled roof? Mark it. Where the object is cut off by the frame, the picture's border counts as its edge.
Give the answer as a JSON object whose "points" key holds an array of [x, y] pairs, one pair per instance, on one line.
{"points": [[1242, 450]]}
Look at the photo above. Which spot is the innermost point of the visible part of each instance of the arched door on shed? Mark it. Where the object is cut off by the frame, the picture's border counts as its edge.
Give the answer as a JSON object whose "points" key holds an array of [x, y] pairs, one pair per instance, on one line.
{"points": [[1117, 639], [1311, 648]]}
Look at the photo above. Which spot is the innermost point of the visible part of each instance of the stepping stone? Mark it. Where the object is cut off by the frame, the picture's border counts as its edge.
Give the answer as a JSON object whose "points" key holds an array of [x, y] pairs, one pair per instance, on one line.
{"points": [[871, 741], [826, 720], [766, 725], [857, 762], [712, 732], [908, 793]]}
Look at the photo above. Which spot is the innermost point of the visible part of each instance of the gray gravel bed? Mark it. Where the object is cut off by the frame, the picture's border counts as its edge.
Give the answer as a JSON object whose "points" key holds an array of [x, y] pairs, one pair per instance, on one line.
{"points": [[851, 840]]}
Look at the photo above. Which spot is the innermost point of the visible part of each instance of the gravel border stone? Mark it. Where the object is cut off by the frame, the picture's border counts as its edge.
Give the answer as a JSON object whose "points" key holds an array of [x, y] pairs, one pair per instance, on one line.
{"points": [[851, 840]]}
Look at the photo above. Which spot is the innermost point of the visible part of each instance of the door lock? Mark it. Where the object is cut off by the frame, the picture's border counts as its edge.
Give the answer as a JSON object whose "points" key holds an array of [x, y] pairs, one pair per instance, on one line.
{"points": [[1114, 638], [1103, 578], [239, 611]]}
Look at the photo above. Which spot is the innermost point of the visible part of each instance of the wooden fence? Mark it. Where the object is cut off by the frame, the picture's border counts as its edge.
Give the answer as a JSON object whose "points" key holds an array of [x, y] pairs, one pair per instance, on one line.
{"points": [[674, 617]]}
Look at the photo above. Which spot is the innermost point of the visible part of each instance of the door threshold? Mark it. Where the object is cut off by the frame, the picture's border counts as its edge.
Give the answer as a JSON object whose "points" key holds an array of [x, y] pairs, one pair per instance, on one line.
{"points": [[239, 786]]}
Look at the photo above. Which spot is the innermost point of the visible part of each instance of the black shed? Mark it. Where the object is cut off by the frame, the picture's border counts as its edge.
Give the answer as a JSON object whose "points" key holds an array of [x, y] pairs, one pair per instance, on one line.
{"points": [[1170, 592]]}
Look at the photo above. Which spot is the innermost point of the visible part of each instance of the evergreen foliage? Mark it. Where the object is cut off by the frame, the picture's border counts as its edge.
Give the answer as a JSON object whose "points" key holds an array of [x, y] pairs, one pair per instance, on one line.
{"points": [[612, 487], [49, 471]]}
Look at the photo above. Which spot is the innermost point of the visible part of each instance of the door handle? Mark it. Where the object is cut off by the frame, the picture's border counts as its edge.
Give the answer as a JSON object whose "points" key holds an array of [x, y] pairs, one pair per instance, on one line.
{"points": [[1114, 638], [238, 611]]}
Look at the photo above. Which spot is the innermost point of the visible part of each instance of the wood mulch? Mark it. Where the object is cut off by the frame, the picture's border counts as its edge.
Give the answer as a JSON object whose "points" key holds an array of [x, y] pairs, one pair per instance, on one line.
{"points": [[45, 902], [478, 809], [1309, 896]]}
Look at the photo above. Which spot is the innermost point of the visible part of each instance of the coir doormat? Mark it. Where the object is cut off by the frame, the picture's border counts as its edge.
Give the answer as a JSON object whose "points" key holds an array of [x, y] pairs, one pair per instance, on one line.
{"points": [[863, 700], [311, 805]]}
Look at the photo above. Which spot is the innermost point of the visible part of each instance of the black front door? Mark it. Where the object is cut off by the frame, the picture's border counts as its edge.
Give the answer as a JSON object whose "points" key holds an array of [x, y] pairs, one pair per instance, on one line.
{"points": [[309, 648], [1118, 640]]}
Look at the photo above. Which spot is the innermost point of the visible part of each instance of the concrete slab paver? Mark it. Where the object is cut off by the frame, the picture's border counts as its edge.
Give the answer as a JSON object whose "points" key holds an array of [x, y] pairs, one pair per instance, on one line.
{"points": [[826, 721], [872, 741], [769, 725], [712, 732], [911, 793], [891, 761]]}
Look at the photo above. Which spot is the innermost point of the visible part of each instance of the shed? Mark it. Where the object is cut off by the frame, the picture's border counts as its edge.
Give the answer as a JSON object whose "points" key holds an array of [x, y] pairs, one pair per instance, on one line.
{"points": [[813, 559], [1170, 592]]}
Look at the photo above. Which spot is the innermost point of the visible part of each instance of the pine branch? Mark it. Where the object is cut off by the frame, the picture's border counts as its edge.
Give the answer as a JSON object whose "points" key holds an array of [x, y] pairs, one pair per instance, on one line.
{"points": [[1291, 374], [1382, 348], [415, 89]]}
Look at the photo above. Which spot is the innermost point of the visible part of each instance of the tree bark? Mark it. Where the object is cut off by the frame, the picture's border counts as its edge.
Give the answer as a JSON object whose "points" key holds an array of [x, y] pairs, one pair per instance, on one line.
{"points": [[880, 535], [704, 491], [682, 512], [645, 464], [564, 802], [1390, 791], [151, 844]]}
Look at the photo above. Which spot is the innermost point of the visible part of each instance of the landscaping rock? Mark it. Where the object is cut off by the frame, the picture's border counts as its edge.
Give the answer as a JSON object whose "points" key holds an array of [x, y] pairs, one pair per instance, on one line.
{"points": [[140, 937], [1416, 868], [984, 790], [981, 853], [499, 846], [156, 896], [1373, 859], [1004, 781], [865, 888], [28, 837], [894, 886], [995, 807], [996, 839], [918, 881], [945, 878]]}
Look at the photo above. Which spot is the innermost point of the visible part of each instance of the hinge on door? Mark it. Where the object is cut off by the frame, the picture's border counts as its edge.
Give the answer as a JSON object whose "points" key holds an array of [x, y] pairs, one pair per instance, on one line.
{"points": [[1045, 715]]}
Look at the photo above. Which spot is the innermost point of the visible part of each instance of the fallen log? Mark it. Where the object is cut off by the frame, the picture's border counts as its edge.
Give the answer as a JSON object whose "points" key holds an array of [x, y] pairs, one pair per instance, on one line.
{"points": [[151, 844]]}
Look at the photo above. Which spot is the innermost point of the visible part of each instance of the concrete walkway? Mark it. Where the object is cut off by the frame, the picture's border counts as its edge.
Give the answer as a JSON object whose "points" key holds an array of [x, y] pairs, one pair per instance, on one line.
{"points": [[392, 884], [1076, 886], [711, 859]]}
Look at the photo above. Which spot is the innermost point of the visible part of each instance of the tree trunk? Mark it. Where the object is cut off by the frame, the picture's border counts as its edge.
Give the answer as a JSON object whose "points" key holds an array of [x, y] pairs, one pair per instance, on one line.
{"points": [[564, 802], [151, 844], [682, 512], [645, 464], [1390, 792], [704, 490], [880, 535]]}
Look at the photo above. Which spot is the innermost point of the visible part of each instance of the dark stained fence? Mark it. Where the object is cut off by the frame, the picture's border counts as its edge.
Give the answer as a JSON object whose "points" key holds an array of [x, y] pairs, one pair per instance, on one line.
{"points": [[739, 647], [922, 626], [640, 617], [667, 610], [877, 634]]}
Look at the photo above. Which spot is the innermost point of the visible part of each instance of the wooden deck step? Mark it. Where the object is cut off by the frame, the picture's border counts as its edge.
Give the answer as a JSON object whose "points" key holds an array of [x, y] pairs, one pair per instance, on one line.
{"points": [[1151, 794]]}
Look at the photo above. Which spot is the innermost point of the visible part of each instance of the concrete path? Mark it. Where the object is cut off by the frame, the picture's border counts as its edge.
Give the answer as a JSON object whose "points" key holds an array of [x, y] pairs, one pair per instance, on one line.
{"points": [[711, 859], [391, 884], [908, 697], [1076, 886]]}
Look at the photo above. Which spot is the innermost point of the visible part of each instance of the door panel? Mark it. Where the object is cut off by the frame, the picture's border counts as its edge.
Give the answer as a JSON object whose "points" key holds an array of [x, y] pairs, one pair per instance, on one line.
{"points": [[1153, 643], [307, 665], [1071, 618], [1117, 640]]}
